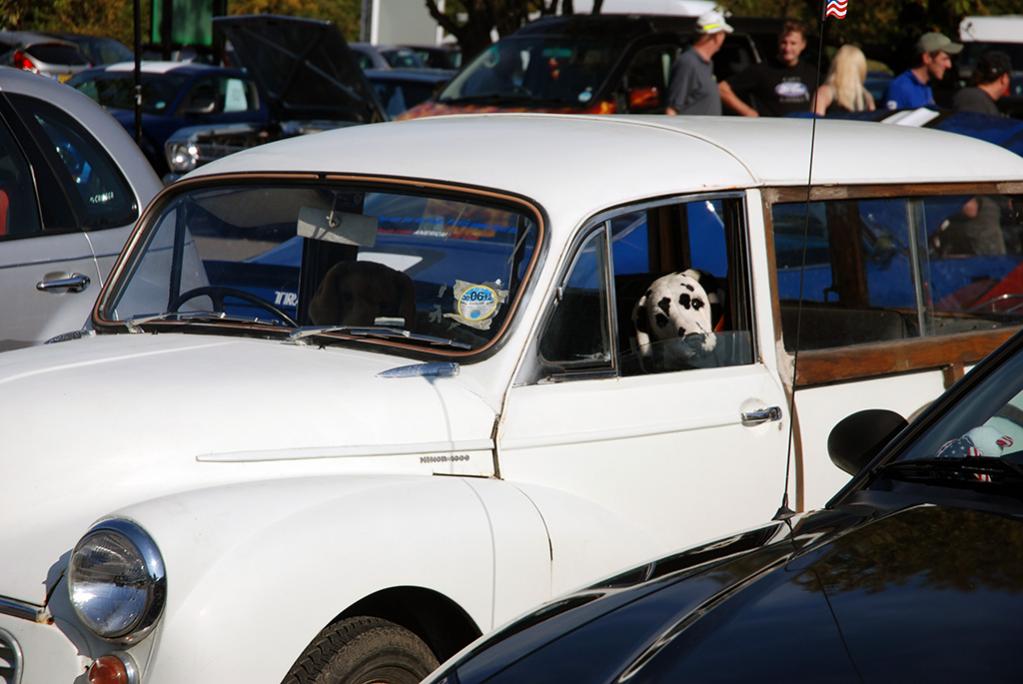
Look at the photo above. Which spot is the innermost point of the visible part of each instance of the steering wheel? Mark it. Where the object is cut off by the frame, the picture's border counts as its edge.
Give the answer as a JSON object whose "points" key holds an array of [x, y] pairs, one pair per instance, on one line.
{"points": [[217, 294]]}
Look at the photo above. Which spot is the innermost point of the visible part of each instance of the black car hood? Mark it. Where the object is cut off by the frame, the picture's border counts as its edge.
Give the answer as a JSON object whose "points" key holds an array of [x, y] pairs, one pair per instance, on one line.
{"points": [[927, 593], [303, 66]]}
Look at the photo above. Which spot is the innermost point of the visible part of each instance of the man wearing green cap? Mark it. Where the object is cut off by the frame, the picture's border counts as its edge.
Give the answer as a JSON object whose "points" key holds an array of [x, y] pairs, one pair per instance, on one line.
{"points": [[911, 88]]}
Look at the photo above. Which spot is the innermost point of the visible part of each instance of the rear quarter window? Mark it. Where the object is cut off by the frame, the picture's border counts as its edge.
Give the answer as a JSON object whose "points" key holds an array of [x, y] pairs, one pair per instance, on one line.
{"points": [[101, 195]]}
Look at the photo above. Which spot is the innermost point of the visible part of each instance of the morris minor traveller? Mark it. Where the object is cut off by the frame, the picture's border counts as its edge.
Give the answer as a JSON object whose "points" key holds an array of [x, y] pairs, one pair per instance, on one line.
{"points": [[350, 400]]}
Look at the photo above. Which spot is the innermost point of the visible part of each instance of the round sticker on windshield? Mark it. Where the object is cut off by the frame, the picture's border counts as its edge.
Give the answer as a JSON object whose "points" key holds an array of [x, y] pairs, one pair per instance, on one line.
{"points": [[477, 303]]}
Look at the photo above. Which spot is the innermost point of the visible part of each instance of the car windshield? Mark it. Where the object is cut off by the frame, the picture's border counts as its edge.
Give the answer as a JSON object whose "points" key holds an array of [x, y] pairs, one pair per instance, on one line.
{"points": [[986, 422], [546, 69], [972, 52], [432, 270], [116, 90]]}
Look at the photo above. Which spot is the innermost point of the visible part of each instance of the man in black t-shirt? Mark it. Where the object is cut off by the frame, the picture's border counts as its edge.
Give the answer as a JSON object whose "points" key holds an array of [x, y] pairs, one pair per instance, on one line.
{"points": [[777, 87]]}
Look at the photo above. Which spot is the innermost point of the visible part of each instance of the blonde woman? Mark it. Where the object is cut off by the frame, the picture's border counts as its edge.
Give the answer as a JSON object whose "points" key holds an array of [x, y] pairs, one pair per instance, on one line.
{"points": [[843, 90]]}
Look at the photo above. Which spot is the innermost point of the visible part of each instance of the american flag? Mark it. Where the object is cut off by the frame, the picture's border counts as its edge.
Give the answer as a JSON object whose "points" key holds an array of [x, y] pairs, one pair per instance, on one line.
{"points": [[836, 9]]}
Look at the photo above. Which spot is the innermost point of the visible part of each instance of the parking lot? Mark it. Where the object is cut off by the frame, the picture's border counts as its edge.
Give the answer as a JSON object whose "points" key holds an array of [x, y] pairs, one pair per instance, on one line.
{"points": [[636, 346]]}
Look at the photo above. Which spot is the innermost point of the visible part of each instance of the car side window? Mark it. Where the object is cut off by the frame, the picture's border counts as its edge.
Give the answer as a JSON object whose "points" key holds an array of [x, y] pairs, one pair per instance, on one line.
{"points": [[19, 210], [105, 199], [882, 269], [646, 79], [577, 335], [681, 296], [220, 95]]}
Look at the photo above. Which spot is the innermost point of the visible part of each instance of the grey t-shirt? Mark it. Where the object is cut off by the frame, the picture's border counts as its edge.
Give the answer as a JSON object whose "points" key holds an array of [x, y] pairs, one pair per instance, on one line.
{"points": [[693, 88], [973, 99]]}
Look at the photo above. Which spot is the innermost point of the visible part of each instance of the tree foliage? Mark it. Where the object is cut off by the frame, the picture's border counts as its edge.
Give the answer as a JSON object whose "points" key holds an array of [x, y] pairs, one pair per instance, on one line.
{"points": [[114, 17]]}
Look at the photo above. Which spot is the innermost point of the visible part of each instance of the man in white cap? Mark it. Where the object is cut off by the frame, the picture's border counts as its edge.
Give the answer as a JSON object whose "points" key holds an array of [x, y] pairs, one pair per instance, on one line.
{"points": [[911, 88], [693, 88]]}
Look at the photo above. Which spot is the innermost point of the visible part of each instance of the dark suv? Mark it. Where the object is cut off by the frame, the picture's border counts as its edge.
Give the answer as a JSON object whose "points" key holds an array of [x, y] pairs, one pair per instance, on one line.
{"points": [[589, 64]]}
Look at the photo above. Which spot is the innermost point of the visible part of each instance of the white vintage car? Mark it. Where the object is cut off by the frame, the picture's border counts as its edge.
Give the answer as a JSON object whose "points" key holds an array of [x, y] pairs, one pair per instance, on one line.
{"points": [[352, 399]]}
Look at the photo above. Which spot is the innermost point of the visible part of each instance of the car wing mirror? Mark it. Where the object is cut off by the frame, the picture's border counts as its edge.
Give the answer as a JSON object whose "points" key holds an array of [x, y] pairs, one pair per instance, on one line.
{"points": [[645, 98], [858, 438]]}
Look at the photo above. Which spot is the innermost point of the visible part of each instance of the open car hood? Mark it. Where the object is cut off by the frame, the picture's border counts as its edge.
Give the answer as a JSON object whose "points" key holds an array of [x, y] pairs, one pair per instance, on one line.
{"points": [[303, 66]]}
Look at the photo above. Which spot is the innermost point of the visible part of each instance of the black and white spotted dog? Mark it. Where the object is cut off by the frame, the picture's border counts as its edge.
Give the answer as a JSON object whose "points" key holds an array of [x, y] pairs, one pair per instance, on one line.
{"points": [[673, 320]]}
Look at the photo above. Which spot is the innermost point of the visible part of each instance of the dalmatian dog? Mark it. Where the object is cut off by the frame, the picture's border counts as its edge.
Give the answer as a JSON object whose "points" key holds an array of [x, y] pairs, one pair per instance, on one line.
{"points": [[673, 321]]}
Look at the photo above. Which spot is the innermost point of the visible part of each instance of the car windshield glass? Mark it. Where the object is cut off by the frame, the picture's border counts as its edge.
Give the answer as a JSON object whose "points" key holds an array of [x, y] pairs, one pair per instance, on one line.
{"points": [[402, 58], [552, 69], [978, 443], [425, 269], [986, 422], [116, 91], [972, 52], [57, 53]]}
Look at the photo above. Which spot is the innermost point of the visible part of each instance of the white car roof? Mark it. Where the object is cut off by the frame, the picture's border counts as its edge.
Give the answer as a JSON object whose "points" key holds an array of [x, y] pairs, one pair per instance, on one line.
{"points": [[153, 67], [1007, 28], [581, 163], [681, 8]]}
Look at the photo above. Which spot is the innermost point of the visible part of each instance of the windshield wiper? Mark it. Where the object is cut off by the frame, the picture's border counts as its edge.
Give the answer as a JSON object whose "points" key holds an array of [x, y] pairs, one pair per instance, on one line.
{"points": [[135, 324], [385, 332], [970, 470]]}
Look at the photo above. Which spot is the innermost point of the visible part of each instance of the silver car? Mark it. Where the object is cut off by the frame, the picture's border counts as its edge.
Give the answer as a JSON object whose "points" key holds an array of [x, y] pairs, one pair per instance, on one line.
{"points": [[72, 184], [41, 54]]}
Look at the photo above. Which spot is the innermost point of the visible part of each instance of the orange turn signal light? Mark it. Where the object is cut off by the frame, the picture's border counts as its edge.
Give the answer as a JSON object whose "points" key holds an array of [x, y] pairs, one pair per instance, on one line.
{"points": [[108, 669]]}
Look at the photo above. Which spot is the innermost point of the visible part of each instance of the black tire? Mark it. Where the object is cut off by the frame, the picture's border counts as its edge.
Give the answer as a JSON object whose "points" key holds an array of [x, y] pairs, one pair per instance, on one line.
{"points": [[363, 650]]}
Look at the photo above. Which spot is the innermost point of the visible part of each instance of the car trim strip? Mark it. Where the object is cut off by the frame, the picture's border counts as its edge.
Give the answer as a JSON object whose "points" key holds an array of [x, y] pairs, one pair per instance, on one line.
{"points": [[346, 451], [24, 610]]}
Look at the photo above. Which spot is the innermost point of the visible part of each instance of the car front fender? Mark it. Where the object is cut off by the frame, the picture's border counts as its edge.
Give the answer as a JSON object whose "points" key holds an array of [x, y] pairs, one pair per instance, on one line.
{"points": [[255, 570]]}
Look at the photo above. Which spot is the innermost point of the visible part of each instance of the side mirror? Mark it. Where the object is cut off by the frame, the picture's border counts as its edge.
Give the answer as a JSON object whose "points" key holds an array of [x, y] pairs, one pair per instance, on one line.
{"points": [[644, 99], [858, 438]]}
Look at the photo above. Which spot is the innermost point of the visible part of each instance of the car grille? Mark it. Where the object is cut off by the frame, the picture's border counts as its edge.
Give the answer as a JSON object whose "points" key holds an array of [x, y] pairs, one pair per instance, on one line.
{"points": [[10, 659]]}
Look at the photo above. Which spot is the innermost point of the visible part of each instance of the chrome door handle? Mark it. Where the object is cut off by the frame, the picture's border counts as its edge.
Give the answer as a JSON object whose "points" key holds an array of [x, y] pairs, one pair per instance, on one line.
{"points": [[762, 415], [72, 282]]}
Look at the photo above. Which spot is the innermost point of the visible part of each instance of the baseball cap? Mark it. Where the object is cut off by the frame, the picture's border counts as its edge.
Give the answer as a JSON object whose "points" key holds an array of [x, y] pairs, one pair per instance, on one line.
{"points": [[933, 42], [712, 22], [991, 65]]}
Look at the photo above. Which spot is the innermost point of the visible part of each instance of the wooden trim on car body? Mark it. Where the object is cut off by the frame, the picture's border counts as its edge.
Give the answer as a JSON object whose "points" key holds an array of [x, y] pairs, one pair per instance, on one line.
{"points": [[527, 206], [947, 353]]}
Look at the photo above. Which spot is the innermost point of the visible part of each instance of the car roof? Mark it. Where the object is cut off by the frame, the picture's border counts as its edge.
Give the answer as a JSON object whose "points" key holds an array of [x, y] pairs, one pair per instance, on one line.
{"points": [[159, 67], [1006, 28], [409, 74], [579, 164], [27, 38]]}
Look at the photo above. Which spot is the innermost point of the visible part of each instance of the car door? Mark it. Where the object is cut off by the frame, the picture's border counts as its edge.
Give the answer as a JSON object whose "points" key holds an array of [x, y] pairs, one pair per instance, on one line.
{"points": [[47, 271], [678, 447]]}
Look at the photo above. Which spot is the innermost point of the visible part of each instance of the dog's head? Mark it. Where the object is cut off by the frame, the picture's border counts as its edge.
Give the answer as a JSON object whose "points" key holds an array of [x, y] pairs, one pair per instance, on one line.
{"points": [[676, 311], [360, 292]]}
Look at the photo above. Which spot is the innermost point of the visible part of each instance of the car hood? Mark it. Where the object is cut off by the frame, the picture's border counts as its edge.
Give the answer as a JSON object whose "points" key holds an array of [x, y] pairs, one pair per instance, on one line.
{"points": [[927, 593], [303, 66], [96, 424]]}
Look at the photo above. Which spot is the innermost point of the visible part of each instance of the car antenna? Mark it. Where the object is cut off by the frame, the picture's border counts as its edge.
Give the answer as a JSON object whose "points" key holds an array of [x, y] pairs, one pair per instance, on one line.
{"points": [[837, 9]]}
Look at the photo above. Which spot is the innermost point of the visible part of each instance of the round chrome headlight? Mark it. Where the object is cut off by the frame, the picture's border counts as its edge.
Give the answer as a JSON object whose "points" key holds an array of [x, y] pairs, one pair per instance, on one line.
{"points": [[116, 581], [182, 157]]}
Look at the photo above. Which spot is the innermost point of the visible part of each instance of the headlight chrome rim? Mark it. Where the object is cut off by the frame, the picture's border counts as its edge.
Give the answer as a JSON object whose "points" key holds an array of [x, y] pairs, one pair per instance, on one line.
{"points": [[155, 577]]}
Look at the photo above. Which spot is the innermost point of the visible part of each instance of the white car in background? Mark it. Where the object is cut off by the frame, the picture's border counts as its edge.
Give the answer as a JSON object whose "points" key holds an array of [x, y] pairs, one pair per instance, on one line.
{"points": [[72, 184], [353, 399]]}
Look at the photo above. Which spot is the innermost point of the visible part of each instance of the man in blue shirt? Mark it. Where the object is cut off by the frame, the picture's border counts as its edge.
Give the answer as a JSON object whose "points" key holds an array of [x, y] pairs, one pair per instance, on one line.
{"points": [[911, 88]]}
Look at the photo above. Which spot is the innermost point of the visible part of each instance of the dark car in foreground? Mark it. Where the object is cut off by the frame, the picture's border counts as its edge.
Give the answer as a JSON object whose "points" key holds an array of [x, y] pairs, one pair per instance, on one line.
{"points": [[912, 572], [174, 95]]}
